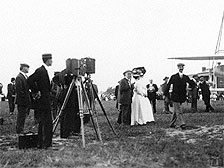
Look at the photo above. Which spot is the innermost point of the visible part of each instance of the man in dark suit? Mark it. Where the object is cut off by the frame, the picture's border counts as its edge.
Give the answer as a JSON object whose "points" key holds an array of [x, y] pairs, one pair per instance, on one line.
{"points": [[194, 93], [125, 98], [178, 96], [167, 101], [151, 94], [11, 95], [39, 83], [205, 94], [22, 97]]}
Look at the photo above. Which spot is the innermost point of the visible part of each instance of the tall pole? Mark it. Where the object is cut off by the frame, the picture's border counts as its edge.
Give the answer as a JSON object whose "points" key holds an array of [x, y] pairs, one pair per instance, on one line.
{"points": [[219, 37]]}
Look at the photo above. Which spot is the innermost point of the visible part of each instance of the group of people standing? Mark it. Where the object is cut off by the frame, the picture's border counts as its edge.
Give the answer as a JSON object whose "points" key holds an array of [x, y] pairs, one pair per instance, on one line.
{"points": [[40, 86], [137, 101], [42, 94], [135, 107]]}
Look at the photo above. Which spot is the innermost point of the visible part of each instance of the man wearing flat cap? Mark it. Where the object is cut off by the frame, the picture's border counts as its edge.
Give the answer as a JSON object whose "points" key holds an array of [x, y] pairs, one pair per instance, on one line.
{"points": [[178, 96], [22, 97], [125, 91], [40, 85]]}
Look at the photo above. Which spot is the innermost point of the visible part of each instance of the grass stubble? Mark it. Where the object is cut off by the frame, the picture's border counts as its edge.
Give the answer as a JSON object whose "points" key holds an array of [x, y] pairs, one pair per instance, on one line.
{"points": [[152, 145]]}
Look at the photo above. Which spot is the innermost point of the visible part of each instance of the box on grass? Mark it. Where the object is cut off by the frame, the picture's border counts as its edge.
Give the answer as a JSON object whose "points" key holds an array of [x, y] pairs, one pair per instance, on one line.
{"points": [[28, 140]]}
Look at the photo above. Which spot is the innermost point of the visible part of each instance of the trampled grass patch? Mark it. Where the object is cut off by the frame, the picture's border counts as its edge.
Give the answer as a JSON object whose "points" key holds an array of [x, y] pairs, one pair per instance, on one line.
{"points": [[152, 145]]}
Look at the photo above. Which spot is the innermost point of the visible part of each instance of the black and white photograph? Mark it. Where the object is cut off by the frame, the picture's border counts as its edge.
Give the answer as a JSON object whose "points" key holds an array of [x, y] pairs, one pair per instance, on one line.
{"points": [[112, 83]]}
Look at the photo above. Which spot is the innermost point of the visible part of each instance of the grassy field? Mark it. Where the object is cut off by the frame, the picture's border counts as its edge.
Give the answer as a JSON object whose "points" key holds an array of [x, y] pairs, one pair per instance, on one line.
{"points": [[152, 145]]}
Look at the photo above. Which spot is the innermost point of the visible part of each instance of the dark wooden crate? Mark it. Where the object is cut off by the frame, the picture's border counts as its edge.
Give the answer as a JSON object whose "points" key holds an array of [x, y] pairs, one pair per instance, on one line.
{"points": [[28, 141]]}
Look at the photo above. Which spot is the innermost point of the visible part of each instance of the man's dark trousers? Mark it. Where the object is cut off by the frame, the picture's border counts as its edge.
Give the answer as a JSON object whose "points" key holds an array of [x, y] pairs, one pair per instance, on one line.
{"points": [[125, 114], [11, 101], [21, 116], [45, 128], [194, 104], [153, 102]]}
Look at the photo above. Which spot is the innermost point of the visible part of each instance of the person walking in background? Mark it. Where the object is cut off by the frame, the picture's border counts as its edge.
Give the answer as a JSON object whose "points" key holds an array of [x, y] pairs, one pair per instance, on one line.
{"points": [[151, 93], [11, 95], [179, 82], [125, 98], [22, 100], [40, 85], [142, 112], [205, 94], [194, 94], [166, 98]]}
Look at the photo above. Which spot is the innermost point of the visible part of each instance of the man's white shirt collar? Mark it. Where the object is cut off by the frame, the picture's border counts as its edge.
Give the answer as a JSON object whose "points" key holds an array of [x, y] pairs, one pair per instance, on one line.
{"points": [[46, 67]]}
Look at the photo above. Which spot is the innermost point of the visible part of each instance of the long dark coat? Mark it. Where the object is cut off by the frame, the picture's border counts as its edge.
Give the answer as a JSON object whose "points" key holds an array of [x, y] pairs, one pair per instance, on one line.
{"points": [[39, 81], [125, 92], [205, 91], [179, 87], [11, 90], [22, 91]]}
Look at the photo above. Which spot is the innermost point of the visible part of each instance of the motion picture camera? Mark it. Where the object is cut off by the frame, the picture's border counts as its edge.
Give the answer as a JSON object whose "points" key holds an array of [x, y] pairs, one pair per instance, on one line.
{"points": [[80, 67]]}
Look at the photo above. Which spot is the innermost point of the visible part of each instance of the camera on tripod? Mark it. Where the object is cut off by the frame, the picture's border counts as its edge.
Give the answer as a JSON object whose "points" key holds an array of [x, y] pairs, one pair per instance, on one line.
{"points": [[80, 67]]}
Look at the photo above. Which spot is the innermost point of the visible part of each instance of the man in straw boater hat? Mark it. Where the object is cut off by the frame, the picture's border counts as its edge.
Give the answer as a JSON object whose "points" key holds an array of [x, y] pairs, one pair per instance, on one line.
{"points": [[40, 85], [22, 99], [178, 95], [125, 98]]}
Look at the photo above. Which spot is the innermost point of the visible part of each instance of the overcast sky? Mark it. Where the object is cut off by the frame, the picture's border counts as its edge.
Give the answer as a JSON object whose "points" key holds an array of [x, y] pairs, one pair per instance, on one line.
{"points": [[119, 34]]}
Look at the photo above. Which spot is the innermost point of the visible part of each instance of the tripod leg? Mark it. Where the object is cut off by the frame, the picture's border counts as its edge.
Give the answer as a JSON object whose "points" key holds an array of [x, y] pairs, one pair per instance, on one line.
{"points": [[81, 111], [56, 121], [103, 109], [91, 116]]}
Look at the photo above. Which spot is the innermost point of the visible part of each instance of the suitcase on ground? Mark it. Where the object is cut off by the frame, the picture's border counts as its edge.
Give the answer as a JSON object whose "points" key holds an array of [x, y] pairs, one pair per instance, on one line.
{"points": [[28, 140]]}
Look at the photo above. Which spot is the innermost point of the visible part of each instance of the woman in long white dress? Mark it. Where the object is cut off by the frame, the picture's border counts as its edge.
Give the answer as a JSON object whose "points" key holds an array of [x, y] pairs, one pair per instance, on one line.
{"points": [[142, 112]]}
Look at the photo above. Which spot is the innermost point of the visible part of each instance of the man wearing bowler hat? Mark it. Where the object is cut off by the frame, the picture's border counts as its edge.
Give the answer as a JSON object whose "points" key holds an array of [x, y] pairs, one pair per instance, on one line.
{"points": [[22, 97], [178, 95], [40, 86], [125, 91]]}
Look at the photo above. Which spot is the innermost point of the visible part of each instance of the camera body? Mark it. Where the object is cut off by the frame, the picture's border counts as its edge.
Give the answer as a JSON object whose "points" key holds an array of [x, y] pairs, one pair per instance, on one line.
{"points": [[80, 67]]}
